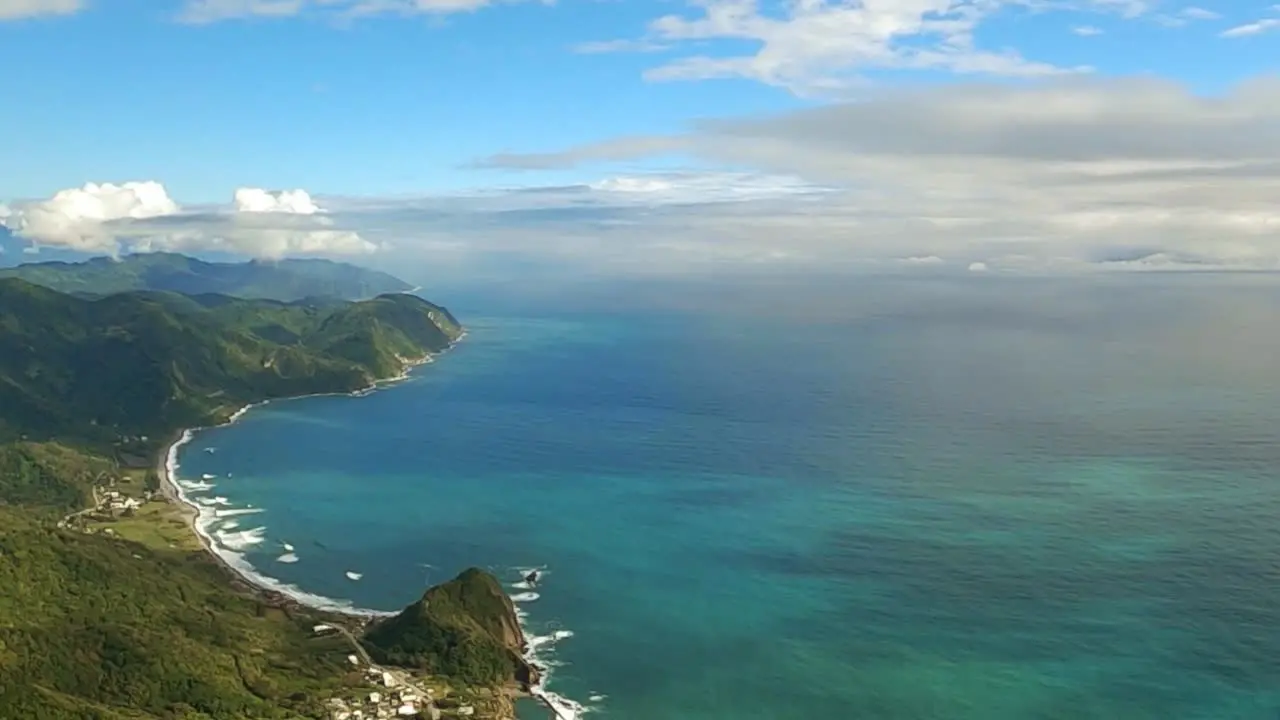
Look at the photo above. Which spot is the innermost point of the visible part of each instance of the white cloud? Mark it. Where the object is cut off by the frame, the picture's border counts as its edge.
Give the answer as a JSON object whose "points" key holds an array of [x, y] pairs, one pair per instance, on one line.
{"points": [[1075, 173], [297, 202], [1086, 30], [1198, 13], [77, 218], [821, 46], [140, 216], [20, 9], [209, 11], [1253, 28], [1070, 175], [611, 46], [1185, 16]]}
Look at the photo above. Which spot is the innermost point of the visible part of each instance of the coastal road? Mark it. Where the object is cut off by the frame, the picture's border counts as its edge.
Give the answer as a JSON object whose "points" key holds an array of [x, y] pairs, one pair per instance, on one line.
{"points": [[360, 651]]}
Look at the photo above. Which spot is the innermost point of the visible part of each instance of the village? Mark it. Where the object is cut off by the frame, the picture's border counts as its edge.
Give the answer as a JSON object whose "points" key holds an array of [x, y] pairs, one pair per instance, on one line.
{"points": [[395, 696], [397, 693]]}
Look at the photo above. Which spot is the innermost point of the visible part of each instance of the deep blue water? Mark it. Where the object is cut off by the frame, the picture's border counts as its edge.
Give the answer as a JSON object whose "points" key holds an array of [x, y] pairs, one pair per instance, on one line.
{"points": [[894, 503]]}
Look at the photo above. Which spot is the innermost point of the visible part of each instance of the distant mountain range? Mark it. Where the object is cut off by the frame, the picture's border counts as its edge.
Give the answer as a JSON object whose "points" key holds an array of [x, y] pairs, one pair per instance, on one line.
{"points": [[285, 280]]}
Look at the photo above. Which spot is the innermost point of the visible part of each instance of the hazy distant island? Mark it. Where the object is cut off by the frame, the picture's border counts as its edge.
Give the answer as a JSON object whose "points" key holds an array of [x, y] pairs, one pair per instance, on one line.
{"points": [[288, 279], [111, 609]]}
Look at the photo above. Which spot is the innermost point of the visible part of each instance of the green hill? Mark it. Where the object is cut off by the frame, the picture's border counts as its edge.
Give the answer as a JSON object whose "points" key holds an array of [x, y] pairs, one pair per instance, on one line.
{"points": [[130, 619], [289, 279], [142, 364], [466, 628]]}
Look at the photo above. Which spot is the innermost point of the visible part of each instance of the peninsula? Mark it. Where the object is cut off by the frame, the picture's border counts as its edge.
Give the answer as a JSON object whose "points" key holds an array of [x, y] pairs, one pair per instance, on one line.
{"points": [[111, 608]]}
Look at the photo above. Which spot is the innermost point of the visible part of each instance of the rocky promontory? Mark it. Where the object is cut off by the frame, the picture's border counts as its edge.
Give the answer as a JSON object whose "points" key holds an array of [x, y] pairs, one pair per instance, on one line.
{"points": [[465, 629]]}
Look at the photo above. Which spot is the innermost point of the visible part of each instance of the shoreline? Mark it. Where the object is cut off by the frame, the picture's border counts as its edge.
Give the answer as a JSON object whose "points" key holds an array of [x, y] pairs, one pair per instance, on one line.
{"points": [[274, 591], [192, 512]]}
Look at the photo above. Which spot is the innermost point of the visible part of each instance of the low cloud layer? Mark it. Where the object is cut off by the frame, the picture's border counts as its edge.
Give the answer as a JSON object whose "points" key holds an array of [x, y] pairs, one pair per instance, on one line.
{"points": [[1072, 175], [140, 216], [1084, 172]]}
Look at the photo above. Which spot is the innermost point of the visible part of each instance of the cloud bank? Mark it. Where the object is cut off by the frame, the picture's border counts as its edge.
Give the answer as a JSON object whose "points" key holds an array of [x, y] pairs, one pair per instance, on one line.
{"points": [[140, 216], [1076, 172]]}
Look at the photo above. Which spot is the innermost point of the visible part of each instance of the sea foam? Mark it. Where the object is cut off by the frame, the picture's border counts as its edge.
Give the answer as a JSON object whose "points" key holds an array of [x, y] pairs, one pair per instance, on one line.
{"points": [[210, 523], [537, 649], [207, 522]]}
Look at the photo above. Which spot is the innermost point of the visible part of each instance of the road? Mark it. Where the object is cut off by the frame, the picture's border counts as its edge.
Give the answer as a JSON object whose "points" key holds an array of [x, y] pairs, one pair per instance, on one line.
{"points": [[72, 516]]}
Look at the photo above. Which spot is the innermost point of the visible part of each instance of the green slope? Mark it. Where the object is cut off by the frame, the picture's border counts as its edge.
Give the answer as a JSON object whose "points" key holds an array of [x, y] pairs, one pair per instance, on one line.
{"points": [[289, 279], [466, 628], [141, 364], [92, 627], [97, 626]]}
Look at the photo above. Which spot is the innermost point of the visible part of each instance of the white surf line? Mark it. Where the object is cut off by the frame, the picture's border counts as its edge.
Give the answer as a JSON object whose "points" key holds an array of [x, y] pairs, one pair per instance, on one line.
{"points": [[562, 707]]}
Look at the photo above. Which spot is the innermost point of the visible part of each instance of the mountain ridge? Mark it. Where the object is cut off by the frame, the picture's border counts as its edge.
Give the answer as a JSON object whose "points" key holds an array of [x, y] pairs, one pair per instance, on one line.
{"points": [[140, 363], [286, 279]]}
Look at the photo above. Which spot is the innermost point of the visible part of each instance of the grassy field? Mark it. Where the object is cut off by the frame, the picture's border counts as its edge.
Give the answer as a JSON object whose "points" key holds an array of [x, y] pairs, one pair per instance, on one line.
{"points": [[157, 525]]}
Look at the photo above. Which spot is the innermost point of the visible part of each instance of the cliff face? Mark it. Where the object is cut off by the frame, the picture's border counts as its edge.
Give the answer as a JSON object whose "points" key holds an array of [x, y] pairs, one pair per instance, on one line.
{"points": [[465, 629]]}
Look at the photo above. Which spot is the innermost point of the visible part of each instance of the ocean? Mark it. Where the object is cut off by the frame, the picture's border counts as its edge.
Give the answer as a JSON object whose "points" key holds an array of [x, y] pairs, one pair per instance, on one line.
{"points": [[890, 498]]}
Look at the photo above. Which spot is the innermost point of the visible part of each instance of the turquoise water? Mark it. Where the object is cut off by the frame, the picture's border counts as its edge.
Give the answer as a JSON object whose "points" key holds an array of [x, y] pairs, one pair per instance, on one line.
{"points": [[979, 508]]}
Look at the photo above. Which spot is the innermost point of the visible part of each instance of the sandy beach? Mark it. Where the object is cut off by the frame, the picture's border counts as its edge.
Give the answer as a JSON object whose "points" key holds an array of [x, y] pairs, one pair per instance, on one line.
{"points": [[192, 512]]}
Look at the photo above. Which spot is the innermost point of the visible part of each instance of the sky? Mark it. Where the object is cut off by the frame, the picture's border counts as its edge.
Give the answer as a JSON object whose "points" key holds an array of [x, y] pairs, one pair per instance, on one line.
{"points": [[647, 136]]}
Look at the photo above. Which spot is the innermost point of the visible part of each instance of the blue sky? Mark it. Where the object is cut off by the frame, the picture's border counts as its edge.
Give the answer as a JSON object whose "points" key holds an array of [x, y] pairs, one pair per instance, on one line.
{"points": [[426, 99], [393, 104]]}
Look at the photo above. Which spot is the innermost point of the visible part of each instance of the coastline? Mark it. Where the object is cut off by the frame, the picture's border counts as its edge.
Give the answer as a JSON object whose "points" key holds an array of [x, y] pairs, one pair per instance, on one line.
{"points": [[275, 591], [193, 512]]}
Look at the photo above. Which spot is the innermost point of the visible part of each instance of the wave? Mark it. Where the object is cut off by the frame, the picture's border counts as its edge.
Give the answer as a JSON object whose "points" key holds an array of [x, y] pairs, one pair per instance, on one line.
{"points": [[210, 501], [536, 649], [287, 558], [232, 512], [354, 575], [210, 524], [207, 518], [208, 476], [240, 539]]}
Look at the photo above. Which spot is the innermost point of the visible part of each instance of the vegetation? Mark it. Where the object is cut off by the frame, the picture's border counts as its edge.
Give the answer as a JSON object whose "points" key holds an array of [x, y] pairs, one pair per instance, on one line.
{"points": [[92, 627], [465, 628], [48, 479], [126, 619], [290, 279], [139, 365]]}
